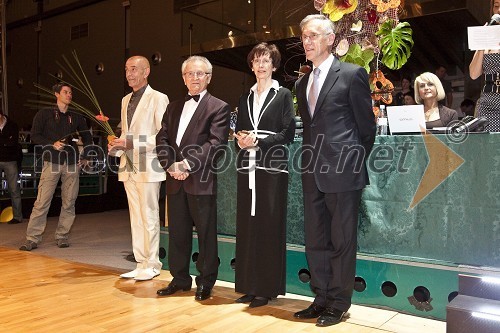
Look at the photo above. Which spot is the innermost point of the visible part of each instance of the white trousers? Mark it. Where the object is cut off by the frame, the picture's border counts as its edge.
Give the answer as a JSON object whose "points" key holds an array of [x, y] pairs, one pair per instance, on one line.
{"points": [[144, 222]]}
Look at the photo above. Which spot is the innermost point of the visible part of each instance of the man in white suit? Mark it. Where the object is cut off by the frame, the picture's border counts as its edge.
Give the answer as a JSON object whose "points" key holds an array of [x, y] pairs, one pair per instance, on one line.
{"points": [[141, 173]]}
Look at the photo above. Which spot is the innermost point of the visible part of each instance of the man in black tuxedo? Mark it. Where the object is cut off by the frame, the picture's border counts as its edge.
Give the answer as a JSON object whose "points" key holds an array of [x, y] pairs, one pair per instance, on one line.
{"points": [[339, 130], [193, 136]]}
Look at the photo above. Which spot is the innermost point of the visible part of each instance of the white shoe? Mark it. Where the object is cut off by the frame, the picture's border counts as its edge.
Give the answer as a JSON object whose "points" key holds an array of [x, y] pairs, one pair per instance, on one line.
{"points": [[131, 274], [147, 274]]}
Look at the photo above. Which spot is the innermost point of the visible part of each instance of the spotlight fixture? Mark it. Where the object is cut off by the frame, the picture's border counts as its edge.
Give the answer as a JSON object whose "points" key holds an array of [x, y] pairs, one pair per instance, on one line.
{"points": [[156, 58], [99, 68]]}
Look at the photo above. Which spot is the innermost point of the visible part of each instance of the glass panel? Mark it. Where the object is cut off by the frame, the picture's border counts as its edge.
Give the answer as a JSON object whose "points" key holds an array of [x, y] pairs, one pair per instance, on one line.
{"points": [[220, 19]]}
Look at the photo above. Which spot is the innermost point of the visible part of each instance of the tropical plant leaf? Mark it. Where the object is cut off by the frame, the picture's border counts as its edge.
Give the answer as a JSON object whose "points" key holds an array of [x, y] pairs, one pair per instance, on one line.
{"points": [[395, 43], [368, 55], [355, 55]]}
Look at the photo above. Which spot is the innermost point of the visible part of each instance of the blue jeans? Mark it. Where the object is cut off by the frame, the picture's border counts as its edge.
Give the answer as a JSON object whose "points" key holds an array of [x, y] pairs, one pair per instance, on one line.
{"points": [[12, 176]]}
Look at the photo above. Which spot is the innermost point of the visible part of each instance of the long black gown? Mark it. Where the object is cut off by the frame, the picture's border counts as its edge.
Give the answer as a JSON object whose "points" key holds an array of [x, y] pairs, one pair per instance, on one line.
{"points": [[261, 239]]}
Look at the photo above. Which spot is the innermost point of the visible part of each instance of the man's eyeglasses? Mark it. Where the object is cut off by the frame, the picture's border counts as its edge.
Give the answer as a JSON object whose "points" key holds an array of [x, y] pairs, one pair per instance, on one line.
{"points": [[312, 37], [261, 61], [199, 75]]}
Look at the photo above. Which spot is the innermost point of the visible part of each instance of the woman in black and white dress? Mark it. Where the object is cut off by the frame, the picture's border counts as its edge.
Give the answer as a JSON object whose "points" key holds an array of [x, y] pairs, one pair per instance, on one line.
{"points": [[265, 125]]}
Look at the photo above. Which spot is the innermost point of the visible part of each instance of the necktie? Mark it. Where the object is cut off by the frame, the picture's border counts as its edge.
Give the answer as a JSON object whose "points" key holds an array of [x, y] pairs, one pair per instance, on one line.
{"points": [[313, 91], [130, 109], [195, 97]]}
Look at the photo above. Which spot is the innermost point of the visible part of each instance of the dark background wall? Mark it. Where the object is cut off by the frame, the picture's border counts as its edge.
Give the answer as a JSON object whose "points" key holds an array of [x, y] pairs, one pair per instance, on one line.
{"points": [[117, 29], [38, 34]]}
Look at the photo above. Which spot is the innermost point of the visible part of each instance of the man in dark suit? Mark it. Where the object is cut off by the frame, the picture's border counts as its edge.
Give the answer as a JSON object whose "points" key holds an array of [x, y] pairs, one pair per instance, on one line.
{"points": [[193, 135], [339, 130]]}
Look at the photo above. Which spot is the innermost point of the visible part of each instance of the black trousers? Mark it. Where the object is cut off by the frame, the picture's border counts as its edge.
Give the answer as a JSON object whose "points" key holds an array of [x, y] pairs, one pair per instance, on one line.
{"points": [[331, 223], [184, 211]]}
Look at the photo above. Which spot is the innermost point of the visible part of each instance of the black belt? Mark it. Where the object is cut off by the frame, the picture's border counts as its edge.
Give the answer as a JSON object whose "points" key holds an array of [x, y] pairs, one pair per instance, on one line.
{"points": [[491, 83]]}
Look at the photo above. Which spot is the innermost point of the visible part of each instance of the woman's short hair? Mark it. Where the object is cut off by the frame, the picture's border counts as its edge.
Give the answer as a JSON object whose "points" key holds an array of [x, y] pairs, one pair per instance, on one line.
{"points": [[426, 78], [263, 49]]}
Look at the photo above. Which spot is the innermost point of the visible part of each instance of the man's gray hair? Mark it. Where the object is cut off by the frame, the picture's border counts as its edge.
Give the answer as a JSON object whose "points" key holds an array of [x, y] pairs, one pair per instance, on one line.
{"points": [[326, 24], [197, 58]]}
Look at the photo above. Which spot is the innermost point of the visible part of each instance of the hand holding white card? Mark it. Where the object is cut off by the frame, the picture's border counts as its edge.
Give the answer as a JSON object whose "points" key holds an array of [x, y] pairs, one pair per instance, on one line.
{"points": [[484, 38]]}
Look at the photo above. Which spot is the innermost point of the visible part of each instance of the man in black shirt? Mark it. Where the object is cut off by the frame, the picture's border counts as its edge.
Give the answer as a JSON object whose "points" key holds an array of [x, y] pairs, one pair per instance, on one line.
{"points": [[53, 131], [9, 154]]}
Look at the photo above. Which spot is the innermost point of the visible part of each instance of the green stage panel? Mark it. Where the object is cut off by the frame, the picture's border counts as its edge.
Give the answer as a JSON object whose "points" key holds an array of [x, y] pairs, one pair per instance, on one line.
{"points": [[456, 222], [406, 286], [409, 259], [413, 287]]}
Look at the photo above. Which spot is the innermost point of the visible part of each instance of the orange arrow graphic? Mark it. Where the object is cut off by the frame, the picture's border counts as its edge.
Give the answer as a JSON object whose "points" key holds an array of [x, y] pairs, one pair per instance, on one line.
{"points": [[443, 161]]}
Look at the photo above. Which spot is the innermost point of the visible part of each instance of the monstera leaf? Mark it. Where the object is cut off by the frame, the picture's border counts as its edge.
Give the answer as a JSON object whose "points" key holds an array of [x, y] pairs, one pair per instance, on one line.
{"points": [[395, 43], [356, 55]]}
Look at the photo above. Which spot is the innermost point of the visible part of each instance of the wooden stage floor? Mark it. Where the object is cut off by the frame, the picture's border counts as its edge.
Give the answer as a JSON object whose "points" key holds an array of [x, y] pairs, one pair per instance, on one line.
{"points": [[45, 294]]}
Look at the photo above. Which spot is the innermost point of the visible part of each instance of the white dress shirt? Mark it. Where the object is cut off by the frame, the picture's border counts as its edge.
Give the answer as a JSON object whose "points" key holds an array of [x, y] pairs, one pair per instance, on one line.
{"points": [[186, 115], [258, 102], [324, 68]]}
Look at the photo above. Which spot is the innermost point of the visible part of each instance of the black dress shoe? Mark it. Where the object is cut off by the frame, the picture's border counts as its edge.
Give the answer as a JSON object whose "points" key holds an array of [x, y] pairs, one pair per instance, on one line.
{"points": [[258, 301], [171, 289], [202, 293], [245, 299], [313, 311], [330, 317]]}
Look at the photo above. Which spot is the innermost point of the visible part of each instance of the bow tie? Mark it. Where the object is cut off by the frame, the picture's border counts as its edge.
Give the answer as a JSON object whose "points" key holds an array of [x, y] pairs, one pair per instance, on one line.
{"points": [[195, 97]]}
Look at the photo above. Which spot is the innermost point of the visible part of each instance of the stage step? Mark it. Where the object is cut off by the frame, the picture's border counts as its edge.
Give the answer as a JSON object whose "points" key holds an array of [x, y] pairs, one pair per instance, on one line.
{"points": [[477, 306], [479, 286], [467, 314]]}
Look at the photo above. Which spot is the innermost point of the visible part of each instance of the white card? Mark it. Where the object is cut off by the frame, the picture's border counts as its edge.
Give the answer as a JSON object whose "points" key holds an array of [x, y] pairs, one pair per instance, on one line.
{"points": [[484, 38]]}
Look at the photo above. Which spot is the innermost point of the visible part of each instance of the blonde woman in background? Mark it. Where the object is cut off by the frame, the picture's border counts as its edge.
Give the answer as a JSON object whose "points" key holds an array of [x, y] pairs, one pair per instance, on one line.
{"points": [[428, 91]]}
